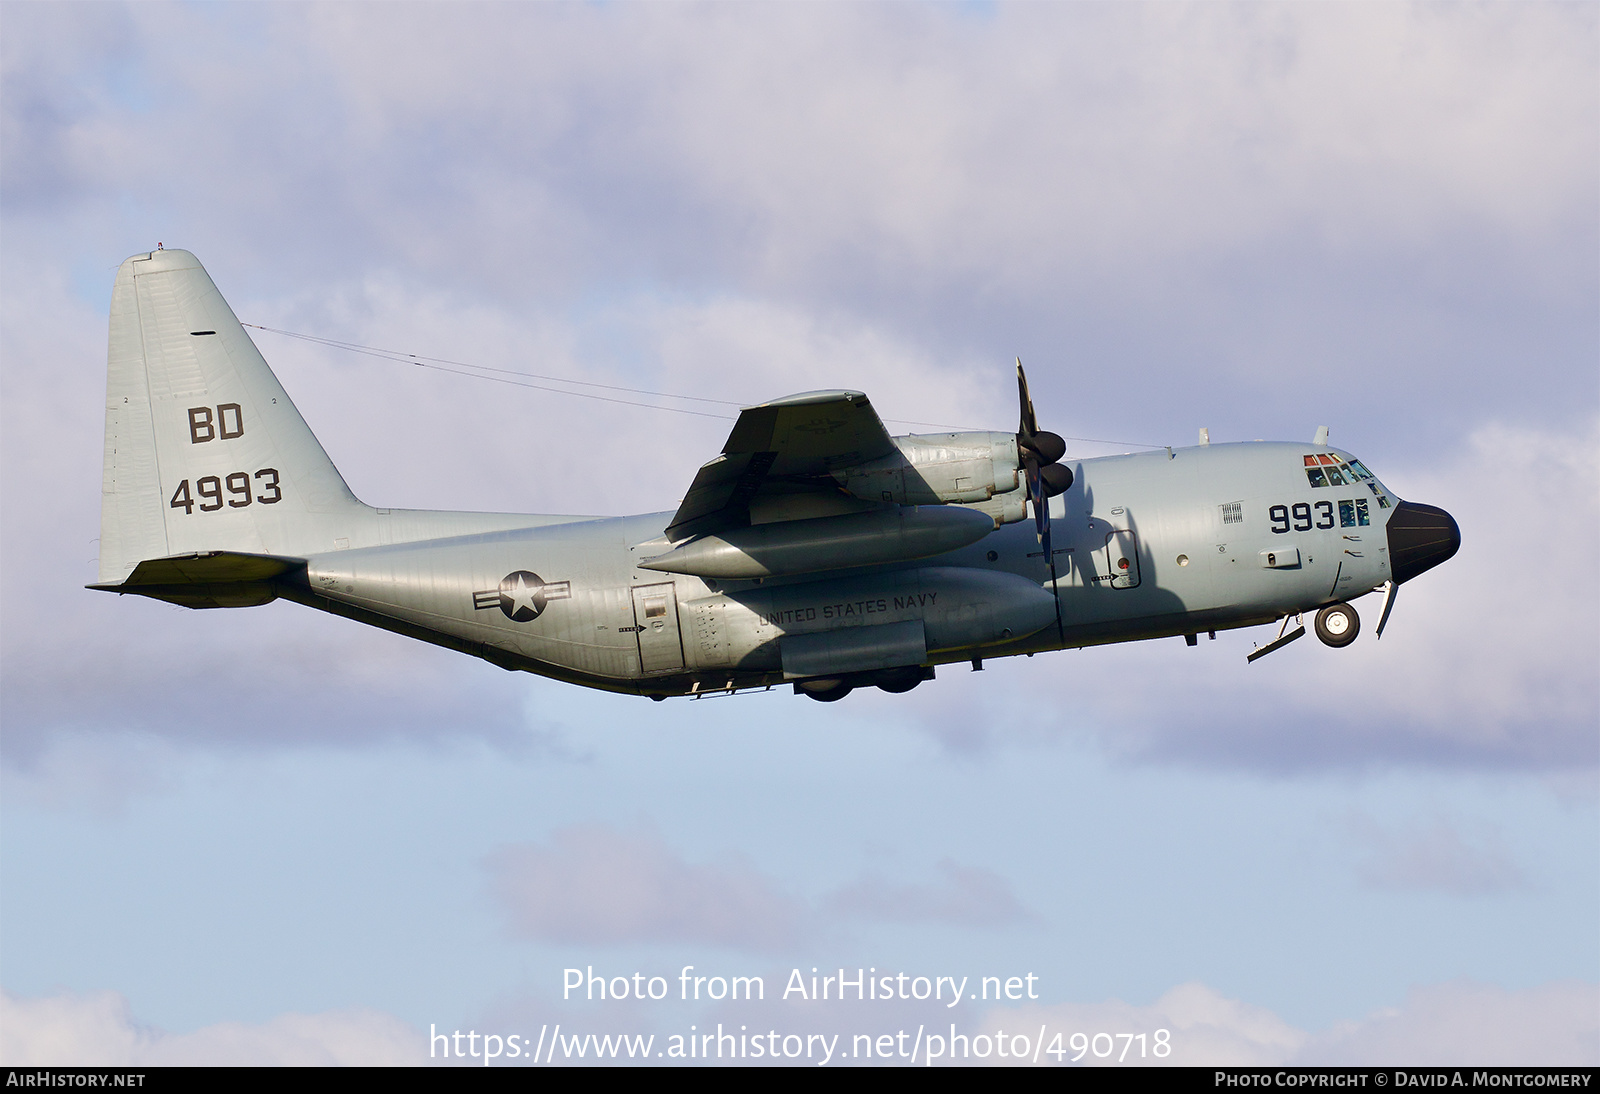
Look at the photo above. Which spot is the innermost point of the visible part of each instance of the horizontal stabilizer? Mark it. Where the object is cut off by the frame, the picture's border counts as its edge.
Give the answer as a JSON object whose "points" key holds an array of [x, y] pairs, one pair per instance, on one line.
{"points": [[207, 579]]}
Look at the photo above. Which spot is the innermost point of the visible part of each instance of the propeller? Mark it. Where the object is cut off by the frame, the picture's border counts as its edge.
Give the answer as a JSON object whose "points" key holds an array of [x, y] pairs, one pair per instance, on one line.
{"points": [[1041, 452]]}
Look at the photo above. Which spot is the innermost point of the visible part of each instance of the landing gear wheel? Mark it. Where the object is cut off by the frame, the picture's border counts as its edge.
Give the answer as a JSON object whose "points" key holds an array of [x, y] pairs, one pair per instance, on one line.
{"points": [[898, 687], [825, 690], [1338, 625], [899, 681]]}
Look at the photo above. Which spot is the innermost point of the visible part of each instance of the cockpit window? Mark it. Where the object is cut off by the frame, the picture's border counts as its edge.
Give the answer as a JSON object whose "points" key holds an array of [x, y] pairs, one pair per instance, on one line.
{"points": [[1326, 470]]}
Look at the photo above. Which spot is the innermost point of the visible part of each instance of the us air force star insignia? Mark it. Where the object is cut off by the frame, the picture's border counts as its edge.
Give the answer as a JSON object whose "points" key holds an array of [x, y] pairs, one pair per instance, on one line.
{"points": [[522, 595]]}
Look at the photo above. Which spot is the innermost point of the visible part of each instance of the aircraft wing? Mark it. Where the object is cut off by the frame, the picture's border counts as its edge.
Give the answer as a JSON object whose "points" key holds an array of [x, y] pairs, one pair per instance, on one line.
{"points": [[788, 446]]}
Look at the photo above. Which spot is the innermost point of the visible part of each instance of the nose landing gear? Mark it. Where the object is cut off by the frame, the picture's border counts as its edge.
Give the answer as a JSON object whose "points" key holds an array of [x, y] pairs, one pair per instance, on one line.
{"points": [[1337, 625]]}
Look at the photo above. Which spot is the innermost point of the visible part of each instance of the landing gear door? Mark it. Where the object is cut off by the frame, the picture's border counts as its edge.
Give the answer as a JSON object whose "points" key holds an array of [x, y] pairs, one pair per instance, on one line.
{"points": [[1122, 559], [655, 619]]}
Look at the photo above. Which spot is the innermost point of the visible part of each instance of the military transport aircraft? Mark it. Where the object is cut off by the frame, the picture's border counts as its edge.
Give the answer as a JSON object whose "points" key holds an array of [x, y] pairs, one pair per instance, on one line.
{"points": [[815, 550]]}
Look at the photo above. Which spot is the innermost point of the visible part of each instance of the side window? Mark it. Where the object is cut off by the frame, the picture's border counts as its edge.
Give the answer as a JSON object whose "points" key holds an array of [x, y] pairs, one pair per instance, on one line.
{"points": [[1316, 476], [1347, 514], [1361, 511]]}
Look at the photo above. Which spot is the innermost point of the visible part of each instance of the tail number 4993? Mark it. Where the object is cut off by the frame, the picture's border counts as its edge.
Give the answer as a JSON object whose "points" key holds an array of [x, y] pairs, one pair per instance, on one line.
{"points": [[236, 490]]}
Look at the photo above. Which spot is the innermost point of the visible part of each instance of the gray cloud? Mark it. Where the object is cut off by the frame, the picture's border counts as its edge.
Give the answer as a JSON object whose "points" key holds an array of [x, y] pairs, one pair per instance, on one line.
{"points": [[1204, 1028], [593, 884], [1452, 1024], [1210, 200], [1436, 856], [96, 1029], [968, 896], [1456, 1023], [1469, 1023]]}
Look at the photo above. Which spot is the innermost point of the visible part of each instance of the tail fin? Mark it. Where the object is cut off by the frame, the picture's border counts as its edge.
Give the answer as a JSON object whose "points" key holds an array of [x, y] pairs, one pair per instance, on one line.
{"points": [[204, 451]]}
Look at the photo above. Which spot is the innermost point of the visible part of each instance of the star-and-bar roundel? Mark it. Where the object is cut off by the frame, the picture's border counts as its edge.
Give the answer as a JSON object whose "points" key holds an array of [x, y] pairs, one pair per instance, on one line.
{"points": [[522, 595]]}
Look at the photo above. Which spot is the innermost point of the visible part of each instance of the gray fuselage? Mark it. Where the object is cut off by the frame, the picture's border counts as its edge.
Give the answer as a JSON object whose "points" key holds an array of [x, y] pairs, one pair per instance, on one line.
{"points": [[1146, 546]]}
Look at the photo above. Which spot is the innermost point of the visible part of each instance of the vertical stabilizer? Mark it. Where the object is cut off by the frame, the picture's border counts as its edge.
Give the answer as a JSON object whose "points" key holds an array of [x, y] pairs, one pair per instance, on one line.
{"points": [[204, 451]]}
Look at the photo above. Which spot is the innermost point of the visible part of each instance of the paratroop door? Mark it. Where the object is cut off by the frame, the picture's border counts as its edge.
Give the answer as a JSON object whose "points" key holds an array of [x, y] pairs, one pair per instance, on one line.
{"points": [[1122, 559], [655, 614]]}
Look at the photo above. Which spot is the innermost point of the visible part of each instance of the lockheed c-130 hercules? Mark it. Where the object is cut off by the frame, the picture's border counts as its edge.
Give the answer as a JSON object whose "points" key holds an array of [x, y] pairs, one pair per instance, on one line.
{"points": [[815, 550]]}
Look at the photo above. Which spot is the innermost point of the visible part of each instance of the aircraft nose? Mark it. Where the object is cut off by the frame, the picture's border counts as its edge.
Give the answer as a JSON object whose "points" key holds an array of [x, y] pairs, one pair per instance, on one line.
{"points": [[1420, 537]]}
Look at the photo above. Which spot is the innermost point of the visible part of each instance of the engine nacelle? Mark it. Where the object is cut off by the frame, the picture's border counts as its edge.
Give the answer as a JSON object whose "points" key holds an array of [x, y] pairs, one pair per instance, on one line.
{"points": [[938, 468]]}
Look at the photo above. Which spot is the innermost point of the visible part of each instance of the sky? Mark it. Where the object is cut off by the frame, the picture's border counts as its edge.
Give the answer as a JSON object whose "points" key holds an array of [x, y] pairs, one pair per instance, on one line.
{"points": [[266, 835]]}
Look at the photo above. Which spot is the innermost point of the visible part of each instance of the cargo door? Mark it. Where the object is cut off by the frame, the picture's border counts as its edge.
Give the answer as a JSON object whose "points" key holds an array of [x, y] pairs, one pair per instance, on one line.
{"points": [[655, 620]]}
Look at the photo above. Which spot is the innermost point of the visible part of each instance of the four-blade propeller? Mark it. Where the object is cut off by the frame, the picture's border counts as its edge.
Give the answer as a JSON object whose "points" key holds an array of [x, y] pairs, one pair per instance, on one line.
{"points": [[1040, 451]]}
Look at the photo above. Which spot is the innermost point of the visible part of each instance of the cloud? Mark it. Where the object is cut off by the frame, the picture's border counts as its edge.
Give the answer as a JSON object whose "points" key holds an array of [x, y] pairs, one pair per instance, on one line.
{"points": [[1436, 857], [97, 1030], [1204, 1028], [1468, 1023], [593, 884], [1458, 1023], [929, 139], [1190, 196], [403, 436], [968, 896], [1461, 1023]]}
